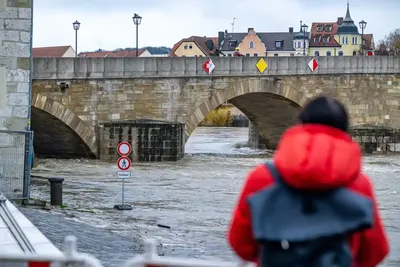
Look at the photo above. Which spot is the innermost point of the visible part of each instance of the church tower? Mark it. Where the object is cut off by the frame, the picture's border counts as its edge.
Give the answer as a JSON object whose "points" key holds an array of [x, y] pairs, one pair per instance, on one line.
{"points": [[348, 36]]}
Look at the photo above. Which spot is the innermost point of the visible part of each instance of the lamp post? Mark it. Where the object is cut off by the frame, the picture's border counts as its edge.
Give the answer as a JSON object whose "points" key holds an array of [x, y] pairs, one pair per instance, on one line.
{"points": [[362, 24], [137, 20], [76, 26], [304, 28]]}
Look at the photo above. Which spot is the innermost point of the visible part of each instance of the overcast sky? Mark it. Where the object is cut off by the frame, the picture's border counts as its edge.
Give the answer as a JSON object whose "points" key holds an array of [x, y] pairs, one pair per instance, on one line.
{"points": [[108, 24]]}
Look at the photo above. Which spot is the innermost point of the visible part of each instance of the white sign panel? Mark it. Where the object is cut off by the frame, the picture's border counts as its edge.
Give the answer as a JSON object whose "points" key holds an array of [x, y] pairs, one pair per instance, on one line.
{"points": [[124, 175]]}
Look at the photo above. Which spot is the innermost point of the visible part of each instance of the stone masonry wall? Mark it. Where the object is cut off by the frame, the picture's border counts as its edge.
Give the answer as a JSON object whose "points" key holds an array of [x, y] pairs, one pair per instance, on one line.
{"points": [[178, 90], [371, 99], [15, 59]]}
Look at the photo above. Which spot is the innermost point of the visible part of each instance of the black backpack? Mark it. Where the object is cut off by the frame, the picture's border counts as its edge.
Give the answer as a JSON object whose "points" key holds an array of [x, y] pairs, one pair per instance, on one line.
{"points": [[306, 229]]}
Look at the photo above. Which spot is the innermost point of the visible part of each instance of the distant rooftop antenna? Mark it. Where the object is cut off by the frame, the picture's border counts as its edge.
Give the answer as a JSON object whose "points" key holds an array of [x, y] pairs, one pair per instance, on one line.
{"points": [[233, 24]]}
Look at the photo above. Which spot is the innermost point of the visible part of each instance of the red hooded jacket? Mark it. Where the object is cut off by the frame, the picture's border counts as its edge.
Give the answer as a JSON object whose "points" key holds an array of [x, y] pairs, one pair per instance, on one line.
{"points": [[313, 157]]}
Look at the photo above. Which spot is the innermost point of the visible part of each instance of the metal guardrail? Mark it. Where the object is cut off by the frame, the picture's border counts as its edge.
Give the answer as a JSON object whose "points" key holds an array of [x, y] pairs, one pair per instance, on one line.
{"points": [[71, 257], [151, 259], [16, 153], [14, 227]]}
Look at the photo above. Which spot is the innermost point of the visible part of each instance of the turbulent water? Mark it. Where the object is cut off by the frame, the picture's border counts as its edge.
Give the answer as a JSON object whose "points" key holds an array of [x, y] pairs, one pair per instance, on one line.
{"points": [[194, 197]]}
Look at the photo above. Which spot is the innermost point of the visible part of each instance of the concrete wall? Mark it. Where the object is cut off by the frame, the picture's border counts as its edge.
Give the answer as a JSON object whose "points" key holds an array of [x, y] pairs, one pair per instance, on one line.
{"points": [[111, 68]]}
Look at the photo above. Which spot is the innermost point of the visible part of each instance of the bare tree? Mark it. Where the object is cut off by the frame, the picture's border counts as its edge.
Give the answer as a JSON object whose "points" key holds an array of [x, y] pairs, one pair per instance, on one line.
{"points": [[390, 45], [382, 49]]}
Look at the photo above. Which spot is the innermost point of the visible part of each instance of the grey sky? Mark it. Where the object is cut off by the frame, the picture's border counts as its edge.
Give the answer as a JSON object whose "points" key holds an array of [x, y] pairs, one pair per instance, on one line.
{"points": [[108, 24]]}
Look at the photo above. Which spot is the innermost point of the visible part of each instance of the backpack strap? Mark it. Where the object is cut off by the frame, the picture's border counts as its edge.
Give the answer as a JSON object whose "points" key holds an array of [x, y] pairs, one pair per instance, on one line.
{"points": [[274, 172]]}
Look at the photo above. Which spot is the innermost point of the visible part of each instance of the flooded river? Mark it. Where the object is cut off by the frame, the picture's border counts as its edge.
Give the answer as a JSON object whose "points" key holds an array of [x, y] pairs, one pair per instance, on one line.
{"points": [[194, 197]]}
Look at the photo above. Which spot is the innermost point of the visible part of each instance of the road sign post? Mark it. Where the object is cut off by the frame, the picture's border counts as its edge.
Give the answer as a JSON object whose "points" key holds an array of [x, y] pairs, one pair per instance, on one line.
{"points": [[124, 164]]}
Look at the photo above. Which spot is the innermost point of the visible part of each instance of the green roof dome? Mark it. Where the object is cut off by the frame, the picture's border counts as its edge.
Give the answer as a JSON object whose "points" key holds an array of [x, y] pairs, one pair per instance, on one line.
{"points": [[348, 26], [300, 35]]}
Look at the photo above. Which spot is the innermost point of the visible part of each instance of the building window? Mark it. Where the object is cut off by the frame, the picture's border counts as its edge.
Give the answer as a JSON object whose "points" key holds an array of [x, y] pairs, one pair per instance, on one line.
{"points": [[299, 44], [355, 40], [328, 28], [328, 53], [247, 55], [345, 40], [291, 54], [354, 53], [340, 53], [251, 44], [229, 55], [190, 47], [185, 47], [278, 44], [275, 55], [232, 43], [255, 54], [319, 28], [316, 53]]}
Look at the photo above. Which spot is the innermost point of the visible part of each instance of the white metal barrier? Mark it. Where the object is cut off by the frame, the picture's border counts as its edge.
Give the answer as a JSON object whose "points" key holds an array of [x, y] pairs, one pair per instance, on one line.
{"points": [[71, 257], [151, 259]]}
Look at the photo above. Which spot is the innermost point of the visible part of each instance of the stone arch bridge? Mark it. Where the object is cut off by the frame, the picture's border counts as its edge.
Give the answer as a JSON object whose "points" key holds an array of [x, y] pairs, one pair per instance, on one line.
{"points": [[82, 107]]}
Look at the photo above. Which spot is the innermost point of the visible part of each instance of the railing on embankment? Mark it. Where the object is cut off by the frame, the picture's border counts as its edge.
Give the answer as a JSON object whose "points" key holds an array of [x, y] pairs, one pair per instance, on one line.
{"points": [[71, 257]]}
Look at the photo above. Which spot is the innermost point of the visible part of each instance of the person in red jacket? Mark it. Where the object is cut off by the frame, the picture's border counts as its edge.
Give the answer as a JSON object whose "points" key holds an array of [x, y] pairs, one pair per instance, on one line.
{"points": [[317, 154]]}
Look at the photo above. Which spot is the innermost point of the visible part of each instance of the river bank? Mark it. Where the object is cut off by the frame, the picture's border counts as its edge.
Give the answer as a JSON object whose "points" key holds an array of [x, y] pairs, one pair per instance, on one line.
{"points": [[194, 196]]}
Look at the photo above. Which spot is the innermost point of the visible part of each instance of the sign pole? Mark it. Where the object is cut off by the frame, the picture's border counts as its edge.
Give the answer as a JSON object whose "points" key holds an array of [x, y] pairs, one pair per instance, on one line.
{"points": [[124, 164], [123, 191]]}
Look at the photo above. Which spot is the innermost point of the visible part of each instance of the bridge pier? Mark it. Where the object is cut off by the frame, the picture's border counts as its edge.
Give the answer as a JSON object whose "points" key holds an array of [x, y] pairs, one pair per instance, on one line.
{"points": [[151, 140], [375, 139], [255, 139]]}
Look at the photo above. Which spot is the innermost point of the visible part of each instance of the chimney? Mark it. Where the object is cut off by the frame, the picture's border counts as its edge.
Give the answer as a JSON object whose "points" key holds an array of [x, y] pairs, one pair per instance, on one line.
{"points": [[221, 37], [250, 29], [210, 44], [339, 20], [290, 29]]}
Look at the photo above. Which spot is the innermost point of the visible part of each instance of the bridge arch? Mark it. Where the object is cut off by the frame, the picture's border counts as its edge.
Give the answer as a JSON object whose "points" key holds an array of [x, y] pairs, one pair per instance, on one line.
{"points": [[273, 92], [59, 132]]}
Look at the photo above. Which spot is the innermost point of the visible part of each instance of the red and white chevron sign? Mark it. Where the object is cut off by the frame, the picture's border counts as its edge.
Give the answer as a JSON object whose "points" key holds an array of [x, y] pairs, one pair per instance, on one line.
{"points": [[313, 64], [208, 66]]}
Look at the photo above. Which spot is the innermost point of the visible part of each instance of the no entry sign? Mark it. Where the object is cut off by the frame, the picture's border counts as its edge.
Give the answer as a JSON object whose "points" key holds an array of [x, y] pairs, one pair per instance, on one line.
{"points": [[124, 163], [124, 149]]}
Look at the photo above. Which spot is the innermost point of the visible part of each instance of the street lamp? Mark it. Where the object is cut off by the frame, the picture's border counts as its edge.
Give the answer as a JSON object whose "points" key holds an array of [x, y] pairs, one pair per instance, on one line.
{"points": [[362, 24], [137, 20], [76, 26], [304, 28]]}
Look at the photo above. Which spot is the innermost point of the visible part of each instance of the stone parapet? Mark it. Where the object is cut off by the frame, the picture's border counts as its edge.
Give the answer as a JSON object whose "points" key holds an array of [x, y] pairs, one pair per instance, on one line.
{"points": [[115, 68]]}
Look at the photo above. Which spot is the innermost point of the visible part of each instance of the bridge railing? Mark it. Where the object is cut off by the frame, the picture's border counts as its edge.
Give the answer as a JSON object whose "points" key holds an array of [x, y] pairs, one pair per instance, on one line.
{"points": [[71, 257]]}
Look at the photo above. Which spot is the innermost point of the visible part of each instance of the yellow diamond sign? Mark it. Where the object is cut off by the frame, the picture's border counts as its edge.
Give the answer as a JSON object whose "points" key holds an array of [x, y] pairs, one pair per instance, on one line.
{"points": [[261, 65]]}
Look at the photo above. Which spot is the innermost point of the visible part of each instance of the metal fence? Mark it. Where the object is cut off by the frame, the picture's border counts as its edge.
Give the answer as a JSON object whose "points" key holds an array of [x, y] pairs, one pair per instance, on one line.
{"points": [[69, 258], [72, 258], [16, 155]]}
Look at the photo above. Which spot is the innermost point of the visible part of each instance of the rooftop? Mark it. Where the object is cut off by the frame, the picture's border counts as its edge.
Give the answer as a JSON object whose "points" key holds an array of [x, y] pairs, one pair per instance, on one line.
{"points": [[51, 51]]}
